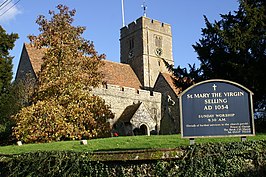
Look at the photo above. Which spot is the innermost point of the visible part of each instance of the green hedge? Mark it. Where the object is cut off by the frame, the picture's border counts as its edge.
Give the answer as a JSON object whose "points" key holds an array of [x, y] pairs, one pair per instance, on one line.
{"points": [[219, 159]]}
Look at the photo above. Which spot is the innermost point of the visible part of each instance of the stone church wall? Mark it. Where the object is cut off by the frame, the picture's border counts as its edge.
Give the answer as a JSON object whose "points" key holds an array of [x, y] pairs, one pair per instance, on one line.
{"points": [[121, 97], [142, 117], [170, 121]]}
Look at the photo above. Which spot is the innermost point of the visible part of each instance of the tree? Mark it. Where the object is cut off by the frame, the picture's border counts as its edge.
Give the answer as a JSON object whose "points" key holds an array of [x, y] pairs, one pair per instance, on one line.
{"points": [[6, 110], [63, 106], [234, 48]]}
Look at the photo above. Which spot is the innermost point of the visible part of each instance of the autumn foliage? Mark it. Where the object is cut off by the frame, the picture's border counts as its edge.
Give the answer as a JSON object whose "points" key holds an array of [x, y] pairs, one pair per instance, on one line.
{"points": [[63, 106]]}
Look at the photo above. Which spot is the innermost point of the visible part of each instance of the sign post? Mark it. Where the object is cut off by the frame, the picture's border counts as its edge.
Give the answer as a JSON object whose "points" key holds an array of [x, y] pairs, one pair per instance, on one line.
{"points": [[216, 108]]}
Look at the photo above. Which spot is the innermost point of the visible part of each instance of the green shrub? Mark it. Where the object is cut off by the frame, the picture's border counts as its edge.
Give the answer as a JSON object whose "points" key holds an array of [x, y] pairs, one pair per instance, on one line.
{"points": [[219, 159]]}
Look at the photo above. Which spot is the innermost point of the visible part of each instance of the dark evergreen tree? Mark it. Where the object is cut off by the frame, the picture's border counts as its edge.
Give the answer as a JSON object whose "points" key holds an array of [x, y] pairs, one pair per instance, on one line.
{"points": [[233, 48], [6, 43]]}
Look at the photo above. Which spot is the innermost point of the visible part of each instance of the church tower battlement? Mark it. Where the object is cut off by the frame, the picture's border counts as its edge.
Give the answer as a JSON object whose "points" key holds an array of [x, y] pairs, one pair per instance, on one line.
{"points": [[143, 45], [144, 21]]}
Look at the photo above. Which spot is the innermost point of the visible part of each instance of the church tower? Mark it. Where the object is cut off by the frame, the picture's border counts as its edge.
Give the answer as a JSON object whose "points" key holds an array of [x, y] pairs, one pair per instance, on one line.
{"points": [[143, 45]]}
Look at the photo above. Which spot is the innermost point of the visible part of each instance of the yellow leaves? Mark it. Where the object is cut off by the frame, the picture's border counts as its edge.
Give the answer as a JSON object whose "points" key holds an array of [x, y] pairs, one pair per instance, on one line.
{"points": [[47, 121], [63, 107]]}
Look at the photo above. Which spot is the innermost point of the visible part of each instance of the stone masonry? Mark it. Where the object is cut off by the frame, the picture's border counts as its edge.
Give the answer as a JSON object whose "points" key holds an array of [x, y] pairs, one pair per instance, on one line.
{"points": [[139, 90]]}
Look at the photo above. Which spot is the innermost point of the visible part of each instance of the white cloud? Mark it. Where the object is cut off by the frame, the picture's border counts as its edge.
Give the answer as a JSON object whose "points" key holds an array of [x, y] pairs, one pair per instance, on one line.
{"points": [[7, 12]]}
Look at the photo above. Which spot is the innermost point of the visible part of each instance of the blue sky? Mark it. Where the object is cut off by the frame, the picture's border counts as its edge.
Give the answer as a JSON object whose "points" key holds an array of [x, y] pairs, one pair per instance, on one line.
{"points": [[103, 20]]}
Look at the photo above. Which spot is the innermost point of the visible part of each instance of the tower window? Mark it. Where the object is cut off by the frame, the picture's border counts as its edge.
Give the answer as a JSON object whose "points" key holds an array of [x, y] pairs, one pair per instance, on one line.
{"points": [[158, 41], [131, 43]]}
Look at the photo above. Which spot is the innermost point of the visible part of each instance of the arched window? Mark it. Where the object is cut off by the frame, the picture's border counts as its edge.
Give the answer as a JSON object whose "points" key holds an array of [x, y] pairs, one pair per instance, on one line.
{"points": [[158, 41]]}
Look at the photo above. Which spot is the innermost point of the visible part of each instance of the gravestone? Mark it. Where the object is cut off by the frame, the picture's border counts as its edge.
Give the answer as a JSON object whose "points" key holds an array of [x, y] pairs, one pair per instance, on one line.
{"points": [[216, 108]]}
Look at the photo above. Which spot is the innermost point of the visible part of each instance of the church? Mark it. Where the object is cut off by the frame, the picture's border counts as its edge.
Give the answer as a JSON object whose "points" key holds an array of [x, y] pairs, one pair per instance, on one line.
{"points": [[139, 89]]}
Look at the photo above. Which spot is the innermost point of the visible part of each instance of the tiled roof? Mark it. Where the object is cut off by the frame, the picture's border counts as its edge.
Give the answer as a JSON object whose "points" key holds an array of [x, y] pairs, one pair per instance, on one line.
{"points": [[120, 74], [114, 73], [169, 79], [35, 56]]}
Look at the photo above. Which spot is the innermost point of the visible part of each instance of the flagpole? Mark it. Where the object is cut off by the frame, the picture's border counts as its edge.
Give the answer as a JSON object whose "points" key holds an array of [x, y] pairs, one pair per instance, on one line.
{"points": [[123, 13]]}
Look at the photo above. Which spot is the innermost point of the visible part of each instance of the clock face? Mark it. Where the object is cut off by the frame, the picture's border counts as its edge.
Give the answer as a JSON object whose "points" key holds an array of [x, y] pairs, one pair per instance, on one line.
{"points": [[158, 51], [131, 54]]}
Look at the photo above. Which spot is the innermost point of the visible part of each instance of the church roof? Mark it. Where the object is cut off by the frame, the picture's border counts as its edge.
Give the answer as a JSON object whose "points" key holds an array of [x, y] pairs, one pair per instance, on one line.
{"points": [[169, 78], [35, 56], [114, 73], [120, 74], [129, 112]]}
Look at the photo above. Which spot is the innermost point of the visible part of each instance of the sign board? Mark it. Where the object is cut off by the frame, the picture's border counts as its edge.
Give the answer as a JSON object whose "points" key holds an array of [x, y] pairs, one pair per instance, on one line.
{"points": [[216, 108]]}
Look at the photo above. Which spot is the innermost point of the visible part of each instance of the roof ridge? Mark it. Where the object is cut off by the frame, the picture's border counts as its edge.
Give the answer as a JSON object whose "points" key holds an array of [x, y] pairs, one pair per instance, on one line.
{"points": [[105, 60]]}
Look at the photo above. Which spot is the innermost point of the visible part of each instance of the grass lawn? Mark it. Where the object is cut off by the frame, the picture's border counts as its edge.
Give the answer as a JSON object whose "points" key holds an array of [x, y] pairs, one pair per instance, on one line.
{"points": [[119, 143]]}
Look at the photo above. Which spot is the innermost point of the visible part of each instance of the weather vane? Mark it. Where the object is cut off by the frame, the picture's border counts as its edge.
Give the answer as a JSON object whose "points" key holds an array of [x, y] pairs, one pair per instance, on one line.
{"points": [[144, 6]]}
